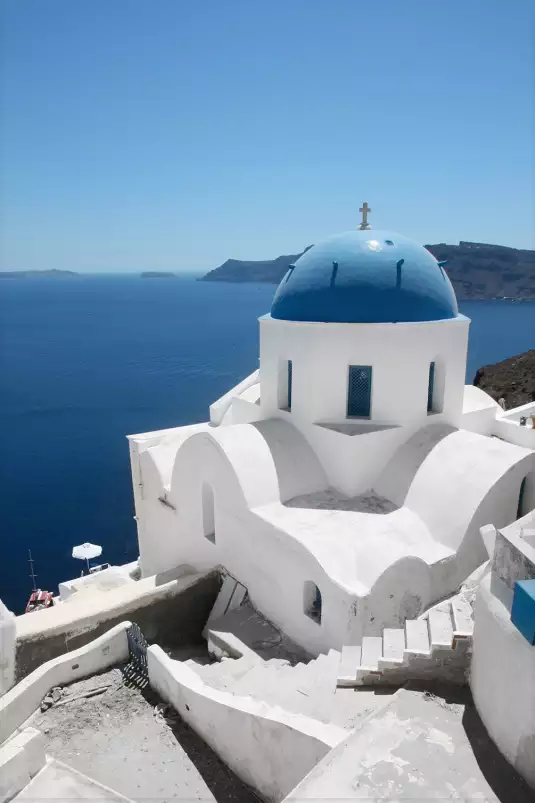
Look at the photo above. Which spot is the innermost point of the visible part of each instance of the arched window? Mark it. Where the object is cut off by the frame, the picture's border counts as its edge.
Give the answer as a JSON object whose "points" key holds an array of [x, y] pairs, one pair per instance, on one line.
{"points": [[436, 387], [312, 601], [285, 385], [521, 494], [208, 512], [431, 387]]}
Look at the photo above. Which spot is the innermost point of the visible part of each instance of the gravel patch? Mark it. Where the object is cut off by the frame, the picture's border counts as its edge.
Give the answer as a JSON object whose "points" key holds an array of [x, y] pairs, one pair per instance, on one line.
{"points": [[127, 739]]}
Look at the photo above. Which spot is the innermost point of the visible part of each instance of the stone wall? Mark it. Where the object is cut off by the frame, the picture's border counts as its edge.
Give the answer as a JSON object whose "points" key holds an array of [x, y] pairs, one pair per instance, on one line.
{"points": [[171, 612], [512, 560]]}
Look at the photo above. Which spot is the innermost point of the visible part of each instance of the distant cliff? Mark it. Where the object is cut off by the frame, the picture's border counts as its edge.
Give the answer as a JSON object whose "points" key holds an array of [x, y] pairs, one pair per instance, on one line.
{"points": [[512, 379], [23, 274], [477, 270], [269, 270]]}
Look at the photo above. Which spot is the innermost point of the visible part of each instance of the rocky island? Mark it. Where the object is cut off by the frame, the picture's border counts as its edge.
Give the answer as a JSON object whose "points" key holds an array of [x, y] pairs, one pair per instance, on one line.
{"points": [[23, 274], [477, 270], [512, 379]]}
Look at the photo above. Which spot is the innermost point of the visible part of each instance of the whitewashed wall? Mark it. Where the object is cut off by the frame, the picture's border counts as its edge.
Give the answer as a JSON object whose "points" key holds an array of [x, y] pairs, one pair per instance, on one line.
{"points": [[24, 698], [7, 648], [503, 681], [271, 750], [400, 355], [455, 481]]}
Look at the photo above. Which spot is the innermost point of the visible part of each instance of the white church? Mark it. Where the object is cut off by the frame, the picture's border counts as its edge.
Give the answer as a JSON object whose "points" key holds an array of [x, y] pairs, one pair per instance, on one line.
{"points": [[364, 511], [345, 481]]}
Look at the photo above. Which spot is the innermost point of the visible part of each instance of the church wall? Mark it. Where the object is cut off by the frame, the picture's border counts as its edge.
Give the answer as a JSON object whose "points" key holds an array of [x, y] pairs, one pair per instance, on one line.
{"points": [[353, 462], [399, 354], [275, 569]]}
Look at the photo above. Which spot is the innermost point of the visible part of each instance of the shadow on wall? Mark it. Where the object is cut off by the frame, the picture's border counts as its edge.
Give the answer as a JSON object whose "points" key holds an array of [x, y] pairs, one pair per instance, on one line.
{"points": [[505, 782], [402, 592], [396, 479]]}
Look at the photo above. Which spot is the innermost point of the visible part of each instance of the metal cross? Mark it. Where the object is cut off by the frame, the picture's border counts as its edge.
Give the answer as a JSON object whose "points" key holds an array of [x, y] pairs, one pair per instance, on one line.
{"points": [[364, 209]]}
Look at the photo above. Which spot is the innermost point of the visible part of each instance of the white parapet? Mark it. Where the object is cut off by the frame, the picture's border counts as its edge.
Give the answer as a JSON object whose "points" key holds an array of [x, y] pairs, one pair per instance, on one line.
{"points": [[21, 758], [19, 704], [7, 648], [269, 748]]}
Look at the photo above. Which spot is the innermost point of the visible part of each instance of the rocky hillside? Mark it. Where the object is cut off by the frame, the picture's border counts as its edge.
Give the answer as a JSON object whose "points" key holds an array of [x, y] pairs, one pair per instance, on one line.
{"points": [[477, 270], [512, 379], [237, 270]]}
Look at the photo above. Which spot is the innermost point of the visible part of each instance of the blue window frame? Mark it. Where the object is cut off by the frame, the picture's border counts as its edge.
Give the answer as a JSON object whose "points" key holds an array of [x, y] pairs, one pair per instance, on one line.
{"points": [[359, 391], [289, 384], [431, 387]]}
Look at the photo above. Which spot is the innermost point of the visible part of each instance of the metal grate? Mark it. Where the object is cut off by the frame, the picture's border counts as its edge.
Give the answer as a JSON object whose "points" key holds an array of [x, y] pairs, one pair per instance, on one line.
{"points": [[137, 647], [431, 388], [289, 384], [359, 391]]}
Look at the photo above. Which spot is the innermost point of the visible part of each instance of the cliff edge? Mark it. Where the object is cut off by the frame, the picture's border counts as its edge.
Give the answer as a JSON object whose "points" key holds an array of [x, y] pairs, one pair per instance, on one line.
{"points": [[477, 270], [512, 379]]}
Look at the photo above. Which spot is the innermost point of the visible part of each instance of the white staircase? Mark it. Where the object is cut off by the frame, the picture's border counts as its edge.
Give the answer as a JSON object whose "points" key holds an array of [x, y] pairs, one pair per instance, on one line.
{"points": [[306, 689], [256, 660], [436, 646]]}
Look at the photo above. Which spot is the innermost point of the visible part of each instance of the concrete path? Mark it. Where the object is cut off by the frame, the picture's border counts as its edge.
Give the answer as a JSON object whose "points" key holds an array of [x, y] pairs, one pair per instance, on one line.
{"points": [[418, 747], [57, 781]]}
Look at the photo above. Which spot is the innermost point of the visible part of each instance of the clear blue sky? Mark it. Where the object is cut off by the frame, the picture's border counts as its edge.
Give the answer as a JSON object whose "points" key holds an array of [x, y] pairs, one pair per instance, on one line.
{"points": [[173, 134]]}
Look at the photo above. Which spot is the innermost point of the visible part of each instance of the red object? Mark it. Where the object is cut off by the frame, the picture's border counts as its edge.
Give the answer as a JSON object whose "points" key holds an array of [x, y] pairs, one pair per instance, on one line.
{"points": [[39, 600]]}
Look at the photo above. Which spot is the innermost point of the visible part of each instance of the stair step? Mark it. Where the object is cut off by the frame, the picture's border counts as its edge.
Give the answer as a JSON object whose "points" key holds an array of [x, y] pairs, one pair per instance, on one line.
{"points": [[309, 686], [440, 629], [252, 683], [230, 668], [463, 623], [393, 647], [324, 689], [193, 664], [347, 671], [416, 638], [276, 685], [372, 650]]}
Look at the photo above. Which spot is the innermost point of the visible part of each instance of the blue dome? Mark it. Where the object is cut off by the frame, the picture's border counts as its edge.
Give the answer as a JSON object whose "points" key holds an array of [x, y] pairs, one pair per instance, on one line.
{"points": [[365, 277]]}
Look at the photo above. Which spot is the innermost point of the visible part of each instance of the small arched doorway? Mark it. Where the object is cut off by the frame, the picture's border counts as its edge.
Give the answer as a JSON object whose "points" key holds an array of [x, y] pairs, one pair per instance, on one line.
{"points": [[521, 494], [208, 512], [312, 602]]}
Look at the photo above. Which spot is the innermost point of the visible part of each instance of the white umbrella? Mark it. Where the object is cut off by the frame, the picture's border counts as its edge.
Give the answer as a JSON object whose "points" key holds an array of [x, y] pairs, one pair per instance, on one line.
{"points": [[86, 552]]}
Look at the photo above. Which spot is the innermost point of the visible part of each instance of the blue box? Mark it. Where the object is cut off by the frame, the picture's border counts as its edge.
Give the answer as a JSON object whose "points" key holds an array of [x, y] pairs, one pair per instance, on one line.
{"points": [[523, 610]]}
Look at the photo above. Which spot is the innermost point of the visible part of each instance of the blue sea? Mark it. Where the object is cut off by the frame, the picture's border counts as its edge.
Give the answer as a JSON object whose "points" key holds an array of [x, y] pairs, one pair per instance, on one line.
{"points": [[88, 360]]}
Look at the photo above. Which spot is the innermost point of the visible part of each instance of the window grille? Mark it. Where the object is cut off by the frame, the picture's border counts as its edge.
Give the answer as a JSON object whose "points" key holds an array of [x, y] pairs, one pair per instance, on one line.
{"points": [[359, 391]]}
